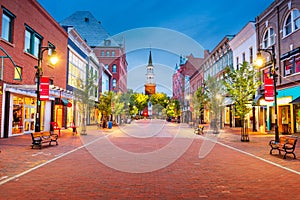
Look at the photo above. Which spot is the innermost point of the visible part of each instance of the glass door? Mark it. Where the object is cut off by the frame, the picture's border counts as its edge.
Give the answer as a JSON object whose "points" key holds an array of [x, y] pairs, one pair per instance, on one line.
{"points": [[29, 115]]}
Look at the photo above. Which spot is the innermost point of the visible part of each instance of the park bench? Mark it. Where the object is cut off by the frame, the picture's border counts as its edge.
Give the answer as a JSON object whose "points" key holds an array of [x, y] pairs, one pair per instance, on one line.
{"points": [[55, 127], [38, 138], [199, 130], [286, 144]]}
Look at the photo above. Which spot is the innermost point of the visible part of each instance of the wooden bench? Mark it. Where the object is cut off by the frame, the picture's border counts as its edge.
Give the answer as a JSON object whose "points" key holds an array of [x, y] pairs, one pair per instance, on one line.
{"points": [[286, 144], [55, 127], [38, 138], [73, 127]]}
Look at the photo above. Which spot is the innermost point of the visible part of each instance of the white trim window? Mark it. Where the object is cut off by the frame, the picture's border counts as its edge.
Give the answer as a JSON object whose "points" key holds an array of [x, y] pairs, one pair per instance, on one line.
{"points": [[292, 22], [269, 38]]}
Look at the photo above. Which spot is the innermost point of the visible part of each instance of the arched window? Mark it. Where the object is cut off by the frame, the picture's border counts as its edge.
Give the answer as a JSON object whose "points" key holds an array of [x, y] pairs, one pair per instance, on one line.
{"points": [[107, 53], [114, 68], [114, 83], [269, 38], [292, 22]]}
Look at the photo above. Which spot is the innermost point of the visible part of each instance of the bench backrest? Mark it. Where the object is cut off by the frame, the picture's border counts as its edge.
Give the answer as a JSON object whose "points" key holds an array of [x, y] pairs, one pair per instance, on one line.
{"points": [[292, 140], [288, 140], [40, 134]]}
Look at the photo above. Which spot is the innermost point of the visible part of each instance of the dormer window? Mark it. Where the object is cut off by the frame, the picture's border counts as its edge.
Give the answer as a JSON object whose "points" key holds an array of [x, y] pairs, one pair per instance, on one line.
{"points": [[107, 42]]}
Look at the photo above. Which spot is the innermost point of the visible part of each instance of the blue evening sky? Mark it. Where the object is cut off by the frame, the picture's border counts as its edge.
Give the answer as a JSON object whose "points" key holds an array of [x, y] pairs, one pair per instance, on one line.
{"points": [[204, 21]]}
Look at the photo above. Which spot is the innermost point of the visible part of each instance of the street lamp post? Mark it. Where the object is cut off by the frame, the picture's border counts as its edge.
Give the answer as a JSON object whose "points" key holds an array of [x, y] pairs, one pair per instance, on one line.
{"points": [[39, 73], [271, 52]]}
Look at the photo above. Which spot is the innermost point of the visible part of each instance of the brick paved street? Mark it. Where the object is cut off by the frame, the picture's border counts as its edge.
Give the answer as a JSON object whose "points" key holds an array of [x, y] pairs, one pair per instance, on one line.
{"points": [[79, 167]]}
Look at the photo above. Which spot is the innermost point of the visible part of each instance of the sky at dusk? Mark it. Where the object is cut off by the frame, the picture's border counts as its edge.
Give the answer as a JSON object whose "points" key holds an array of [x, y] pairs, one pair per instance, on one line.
{"points": [[206, 22]]}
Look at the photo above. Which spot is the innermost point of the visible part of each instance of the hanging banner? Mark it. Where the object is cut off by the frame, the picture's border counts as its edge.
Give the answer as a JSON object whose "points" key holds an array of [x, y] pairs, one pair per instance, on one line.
{"points": [[44, 88], [269, 86]]}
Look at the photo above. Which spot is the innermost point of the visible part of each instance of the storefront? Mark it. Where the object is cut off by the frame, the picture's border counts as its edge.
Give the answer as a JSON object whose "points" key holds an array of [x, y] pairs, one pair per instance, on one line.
{"points": [[296, 115], [20, 110]]}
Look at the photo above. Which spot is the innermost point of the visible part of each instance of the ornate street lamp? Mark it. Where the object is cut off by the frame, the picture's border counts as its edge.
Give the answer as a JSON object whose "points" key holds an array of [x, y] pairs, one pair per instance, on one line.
{"points": [[39, 72], [260, 62]]}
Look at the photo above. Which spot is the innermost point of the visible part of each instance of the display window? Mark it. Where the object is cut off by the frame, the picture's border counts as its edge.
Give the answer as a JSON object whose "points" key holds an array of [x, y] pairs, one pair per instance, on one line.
{"points": [[297, 116], [23, 115]]}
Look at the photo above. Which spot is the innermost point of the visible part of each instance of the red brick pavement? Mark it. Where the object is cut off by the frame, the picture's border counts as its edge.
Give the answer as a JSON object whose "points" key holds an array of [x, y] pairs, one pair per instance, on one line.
{"points": [[223, 174]]}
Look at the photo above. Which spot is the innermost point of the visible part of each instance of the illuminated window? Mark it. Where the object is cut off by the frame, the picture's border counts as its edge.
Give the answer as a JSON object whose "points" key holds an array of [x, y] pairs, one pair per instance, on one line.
{"points": [[114, 68], [114, 83], [18, 73]]}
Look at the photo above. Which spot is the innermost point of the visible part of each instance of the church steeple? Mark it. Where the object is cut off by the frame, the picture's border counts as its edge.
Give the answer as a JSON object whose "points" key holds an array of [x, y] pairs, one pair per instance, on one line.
{"points": [[150, 59], [150, 77]]}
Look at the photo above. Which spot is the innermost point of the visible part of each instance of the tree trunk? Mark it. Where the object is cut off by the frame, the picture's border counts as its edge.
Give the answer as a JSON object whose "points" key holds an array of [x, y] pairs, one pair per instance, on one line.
{"points": [[244, 131]]}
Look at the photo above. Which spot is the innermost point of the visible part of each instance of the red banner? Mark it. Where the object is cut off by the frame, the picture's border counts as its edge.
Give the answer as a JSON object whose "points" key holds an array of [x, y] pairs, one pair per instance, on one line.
{"points": [[269, 86], [44, 88]]}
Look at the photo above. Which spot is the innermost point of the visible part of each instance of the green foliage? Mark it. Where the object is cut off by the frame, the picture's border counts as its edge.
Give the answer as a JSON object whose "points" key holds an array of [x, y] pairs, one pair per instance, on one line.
{"points": [[85, 89], [173, 108], [214, 90], [159, 99], [199, 99], [139, 100], [118, 107], [104, 105], [241, 85]]}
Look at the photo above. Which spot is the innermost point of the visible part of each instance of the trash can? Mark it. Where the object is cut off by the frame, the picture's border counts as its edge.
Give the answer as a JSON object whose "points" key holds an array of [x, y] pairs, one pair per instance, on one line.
{"points": [[110, 124]]}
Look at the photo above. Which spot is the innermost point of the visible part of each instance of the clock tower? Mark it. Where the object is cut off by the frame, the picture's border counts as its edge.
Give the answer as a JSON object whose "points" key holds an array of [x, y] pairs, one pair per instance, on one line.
{"points": [[150, 85]]}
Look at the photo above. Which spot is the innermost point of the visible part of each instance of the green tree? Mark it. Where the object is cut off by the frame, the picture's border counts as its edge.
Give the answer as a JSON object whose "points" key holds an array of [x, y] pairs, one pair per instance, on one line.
{"points": [[85, 89], [159, 102], [104, 106], [199, 100], [173, 108], [140, 101], [117, 106], [126, 99], [214, 89], [241, 84]]}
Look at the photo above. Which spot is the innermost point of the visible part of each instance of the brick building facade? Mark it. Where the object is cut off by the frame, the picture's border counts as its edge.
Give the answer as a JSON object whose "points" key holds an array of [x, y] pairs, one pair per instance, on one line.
{"points": [[278, 27], [23, 30]]}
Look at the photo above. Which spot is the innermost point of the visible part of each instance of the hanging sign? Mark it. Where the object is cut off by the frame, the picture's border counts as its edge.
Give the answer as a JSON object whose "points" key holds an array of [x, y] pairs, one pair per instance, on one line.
{"points": [[269, 86], [44, 88]]}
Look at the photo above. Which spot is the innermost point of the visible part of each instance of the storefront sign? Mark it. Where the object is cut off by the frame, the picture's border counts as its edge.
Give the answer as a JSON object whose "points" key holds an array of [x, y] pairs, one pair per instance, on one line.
{"points": [[269, 86], [44, 88]]}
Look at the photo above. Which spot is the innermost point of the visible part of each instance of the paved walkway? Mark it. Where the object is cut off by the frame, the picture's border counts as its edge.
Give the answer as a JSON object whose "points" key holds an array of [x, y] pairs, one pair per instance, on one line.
{"points": [[231, 169]]}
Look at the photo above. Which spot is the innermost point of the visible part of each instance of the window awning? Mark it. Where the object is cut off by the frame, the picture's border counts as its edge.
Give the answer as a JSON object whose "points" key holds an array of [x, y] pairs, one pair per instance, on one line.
{"points": [[63, 101], [295, 101], [66, 102]]}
